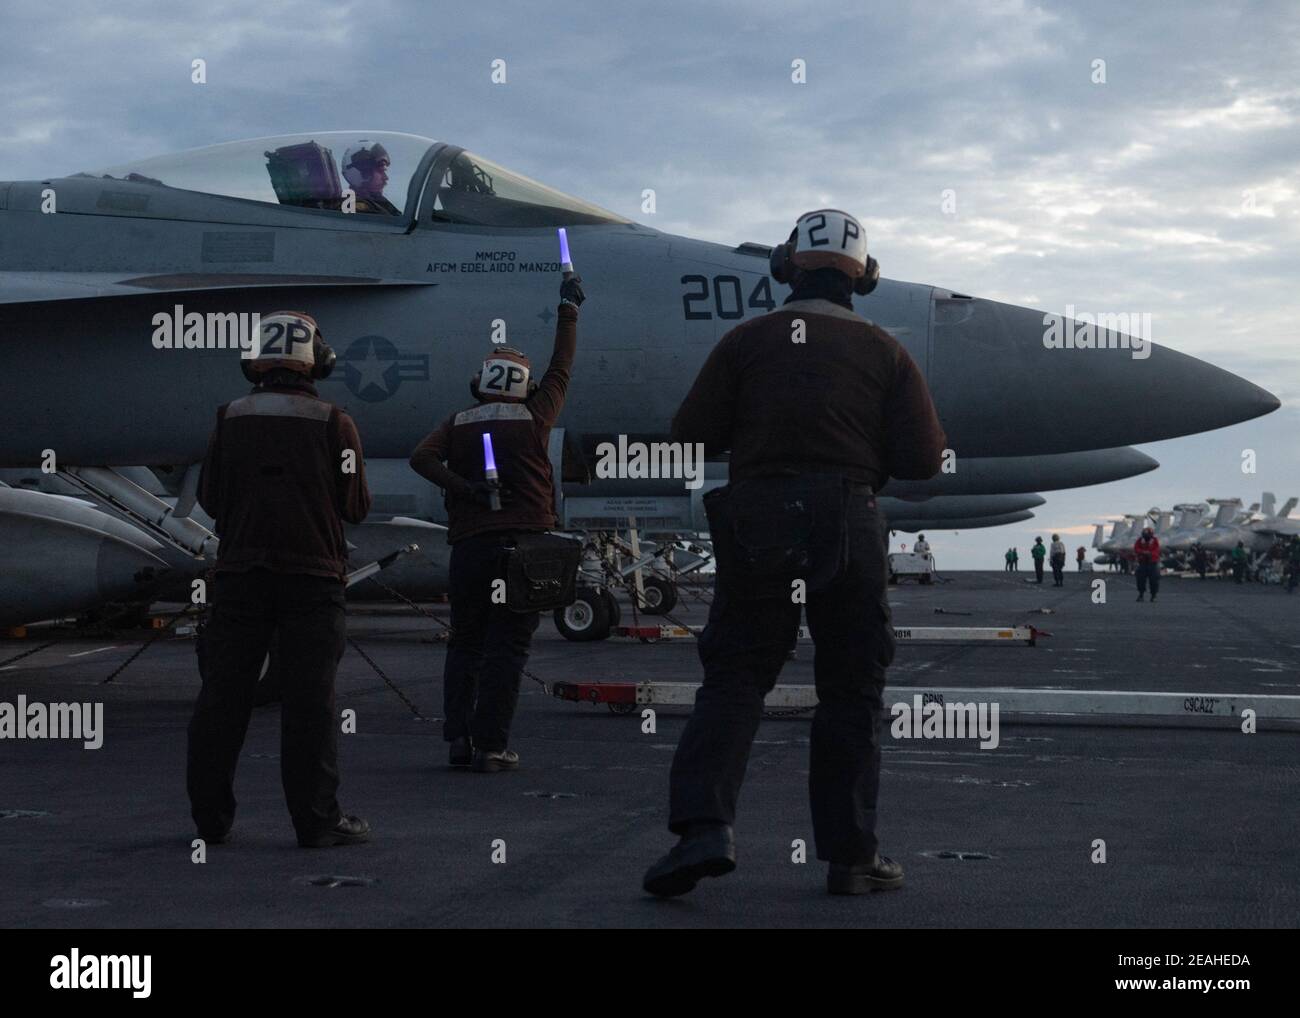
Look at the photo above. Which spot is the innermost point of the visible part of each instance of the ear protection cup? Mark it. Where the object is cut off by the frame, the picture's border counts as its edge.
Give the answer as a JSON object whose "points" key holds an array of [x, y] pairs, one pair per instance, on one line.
{"points": [[323, 358], [778, 262], [866, 282]]}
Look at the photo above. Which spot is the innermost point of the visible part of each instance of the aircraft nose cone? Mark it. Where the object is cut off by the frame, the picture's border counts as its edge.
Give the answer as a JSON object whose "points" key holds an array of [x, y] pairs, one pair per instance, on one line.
{"points": [[1001, 389]]}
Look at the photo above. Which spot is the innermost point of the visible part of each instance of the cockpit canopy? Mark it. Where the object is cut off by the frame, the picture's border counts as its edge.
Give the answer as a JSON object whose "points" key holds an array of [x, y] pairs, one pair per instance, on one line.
{"points": [[381, 173]]}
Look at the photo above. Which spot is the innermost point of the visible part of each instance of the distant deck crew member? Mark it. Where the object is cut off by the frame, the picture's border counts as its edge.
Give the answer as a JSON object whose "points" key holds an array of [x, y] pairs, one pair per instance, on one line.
{"points": [[922, 546], [283, 470], [1146, 553], [1009, 559], [1239, 560], [1038, 552], [1080, 555], [1200, 559], [489, 643], [1058, 561], [818, 408]]}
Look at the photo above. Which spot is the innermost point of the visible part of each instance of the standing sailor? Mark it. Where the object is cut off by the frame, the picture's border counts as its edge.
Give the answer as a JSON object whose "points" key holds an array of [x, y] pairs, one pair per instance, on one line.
{"points": [[818, 408]]}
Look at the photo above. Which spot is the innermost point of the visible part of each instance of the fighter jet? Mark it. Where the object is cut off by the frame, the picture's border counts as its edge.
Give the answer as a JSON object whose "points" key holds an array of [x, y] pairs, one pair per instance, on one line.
{"points": [[1120, 542], [1279, 524], [1189, 530], [1232, 525], [409, 301], [120, 287]]}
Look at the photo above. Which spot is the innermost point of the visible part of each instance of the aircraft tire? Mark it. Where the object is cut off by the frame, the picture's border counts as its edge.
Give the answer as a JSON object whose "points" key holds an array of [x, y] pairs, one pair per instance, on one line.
{"points": [[587, 619], [660, 596]]}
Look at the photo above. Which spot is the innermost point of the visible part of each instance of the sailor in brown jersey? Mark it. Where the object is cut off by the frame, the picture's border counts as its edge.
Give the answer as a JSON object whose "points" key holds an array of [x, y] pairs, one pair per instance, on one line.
{"points": [[283, 470], [818, 408], [489, 644]]}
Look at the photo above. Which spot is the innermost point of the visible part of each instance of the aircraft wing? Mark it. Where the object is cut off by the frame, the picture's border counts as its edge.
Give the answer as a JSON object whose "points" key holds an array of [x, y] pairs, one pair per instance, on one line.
{"points": [[38, 287]]}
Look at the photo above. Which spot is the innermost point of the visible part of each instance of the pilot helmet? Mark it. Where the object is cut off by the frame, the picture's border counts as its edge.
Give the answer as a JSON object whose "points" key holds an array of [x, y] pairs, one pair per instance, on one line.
{"points": [[360, 162]]}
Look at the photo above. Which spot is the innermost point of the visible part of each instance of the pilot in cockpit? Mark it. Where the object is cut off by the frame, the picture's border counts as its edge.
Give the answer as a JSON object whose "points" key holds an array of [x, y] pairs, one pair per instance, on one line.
{"points": [[365, 168]]}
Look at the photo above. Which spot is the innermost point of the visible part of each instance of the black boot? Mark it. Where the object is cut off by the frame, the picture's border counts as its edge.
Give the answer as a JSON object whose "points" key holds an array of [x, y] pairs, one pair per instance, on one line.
{"points": [[706, 850], [460, 752], [348, 831], [882, 875]]}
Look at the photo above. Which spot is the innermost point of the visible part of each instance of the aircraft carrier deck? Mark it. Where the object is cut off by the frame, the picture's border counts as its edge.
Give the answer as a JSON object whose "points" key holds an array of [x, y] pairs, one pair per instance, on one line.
{"points": [[1200, 822]]}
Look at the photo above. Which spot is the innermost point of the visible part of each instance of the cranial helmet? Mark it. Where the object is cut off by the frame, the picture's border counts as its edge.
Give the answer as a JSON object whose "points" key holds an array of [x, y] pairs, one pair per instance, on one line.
{"points": [[289, 339], [506, 375], [361, 161], [826, 239]]}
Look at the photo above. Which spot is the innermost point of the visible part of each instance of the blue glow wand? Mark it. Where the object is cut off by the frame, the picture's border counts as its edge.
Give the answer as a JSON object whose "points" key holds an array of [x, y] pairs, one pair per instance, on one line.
{"points": [[490, 473], [566, 263]]}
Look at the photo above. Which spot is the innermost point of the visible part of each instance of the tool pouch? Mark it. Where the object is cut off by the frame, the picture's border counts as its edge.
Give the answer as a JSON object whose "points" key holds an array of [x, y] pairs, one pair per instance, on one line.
{"points": [[542, 572], [769, 532]]}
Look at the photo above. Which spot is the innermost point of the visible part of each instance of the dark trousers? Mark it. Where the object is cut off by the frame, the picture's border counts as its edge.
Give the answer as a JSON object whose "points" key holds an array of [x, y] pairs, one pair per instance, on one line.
{"points": [[488, 648], [1038, 569], [743, 648], [307, 615], [1148, 572], [1058, 570]]}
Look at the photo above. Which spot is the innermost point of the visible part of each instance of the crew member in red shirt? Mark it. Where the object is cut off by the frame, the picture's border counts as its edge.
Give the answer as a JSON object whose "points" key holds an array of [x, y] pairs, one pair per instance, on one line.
{"points": [[1146, 549]]}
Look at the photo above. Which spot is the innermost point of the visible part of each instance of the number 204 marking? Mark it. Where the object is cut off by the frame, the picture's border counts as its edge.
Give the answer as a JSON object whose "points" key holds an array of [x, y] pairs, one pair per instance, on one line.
{"points": [[726, 294]]}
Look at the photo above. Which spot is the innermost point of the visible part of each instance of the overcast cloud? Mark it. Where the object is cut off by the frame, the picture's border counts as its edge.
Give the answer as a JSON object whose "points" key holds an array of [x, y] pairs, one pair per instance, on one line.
{"points": [[1172, 188]]}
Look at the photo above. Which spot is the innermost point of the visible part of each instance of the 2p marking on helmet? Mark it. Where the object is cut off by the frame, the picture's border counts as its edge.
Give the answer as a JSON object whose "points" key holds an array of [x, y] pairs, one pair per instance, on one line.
{"points": [[506, 375], [826, 238], [289, 339]]}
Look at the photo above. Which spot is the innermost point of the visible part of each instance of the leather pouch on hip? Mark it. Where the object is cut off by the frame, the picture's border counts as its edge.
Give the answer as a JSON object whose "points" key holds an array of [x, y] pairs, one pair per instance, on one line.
{"points": [[769, 532], [542, 572]]}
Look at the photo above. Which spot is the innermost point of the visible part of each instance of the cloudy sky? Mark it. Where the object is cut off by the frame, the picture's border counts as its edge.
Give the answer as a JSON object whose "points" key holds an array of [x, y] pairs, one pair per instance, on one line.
{"points": [[1173, 187]]}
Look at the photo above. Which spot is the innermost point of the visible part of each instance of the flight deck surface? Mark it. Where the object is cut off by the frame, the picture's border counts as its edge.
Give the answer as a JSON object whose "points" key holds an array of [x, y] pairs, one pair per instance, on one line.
{"points": [[1199, 822]]}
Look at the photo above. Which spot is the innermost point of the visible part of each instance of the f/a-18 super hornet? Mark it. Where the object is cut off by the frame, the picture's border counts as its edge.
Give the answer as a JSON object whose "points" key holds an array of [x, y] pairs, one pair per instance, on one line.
{"points": [[413, 255]]}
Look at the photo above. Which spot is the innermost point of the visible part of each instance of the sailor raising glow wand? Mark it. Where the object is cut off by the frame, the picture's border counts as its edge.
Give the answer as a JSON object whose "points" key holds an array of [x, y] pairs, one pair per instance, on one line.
{"points": [[490, 473], [566, 264]]}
